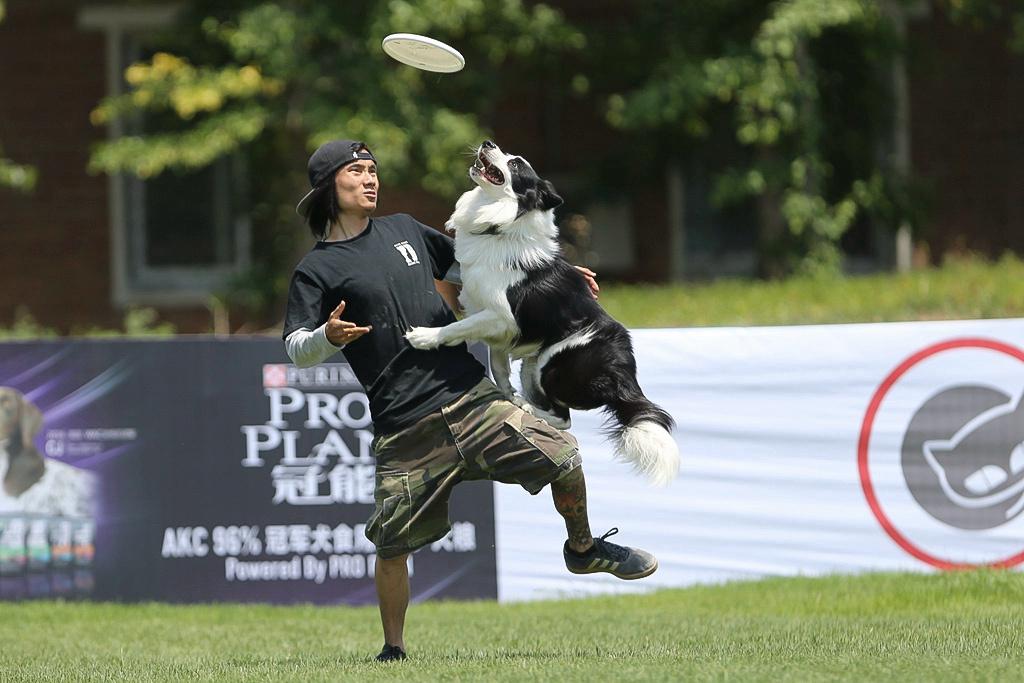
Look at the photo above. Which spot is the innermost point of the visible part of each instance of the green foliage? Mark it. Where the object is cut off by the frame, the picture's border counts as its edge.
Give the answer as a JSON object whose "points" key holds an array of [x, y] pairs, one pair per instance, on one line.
{"points": [[980, 14], [963, 288], [787, 104], [17, 176], [25, 327], [138, 322], [315, 71], [954, 626], [212, 138], [273, 80], [763, 76], [802, 87]]}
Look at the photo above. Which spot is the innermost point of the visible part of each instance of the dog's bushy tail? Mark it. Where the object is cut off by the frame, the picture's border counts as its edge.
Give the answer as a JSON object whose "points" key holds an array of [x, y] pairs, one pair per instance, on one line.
{"points": [[641, 433]]}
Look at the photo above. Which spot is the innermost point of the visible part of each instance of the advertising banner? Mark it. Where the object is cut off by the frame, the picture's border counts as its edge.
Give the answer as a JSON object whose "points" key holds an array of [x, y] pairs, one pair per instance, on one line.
{"points": [[202, 470], [806, 450]]}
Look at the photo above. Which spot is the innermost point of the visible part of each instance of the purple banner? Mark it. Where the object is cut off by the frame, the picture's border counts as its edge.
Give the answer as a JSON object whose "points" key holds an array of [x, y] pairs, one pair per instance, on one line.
{"points": [[202, 470]]}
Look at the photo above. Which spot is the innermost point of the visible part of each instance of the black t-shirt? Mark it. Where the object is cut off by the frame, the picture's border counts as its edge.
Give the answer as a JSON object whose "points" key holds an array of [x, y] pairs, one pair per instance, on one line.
{"points": [[386, 277]]}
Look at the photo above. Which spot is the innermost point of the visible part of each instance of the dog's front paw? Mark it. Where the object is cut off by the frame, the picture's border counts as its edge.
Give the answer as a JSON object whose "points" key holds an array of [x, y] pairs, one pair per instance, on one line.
{"points": [[425, 337]]}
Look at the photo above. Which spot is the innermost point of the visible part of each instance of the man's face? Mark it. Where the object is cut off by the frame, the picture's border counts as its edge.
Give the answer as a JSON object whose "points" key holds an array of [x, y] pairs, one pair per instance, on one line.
{"points": [[356, 184]]}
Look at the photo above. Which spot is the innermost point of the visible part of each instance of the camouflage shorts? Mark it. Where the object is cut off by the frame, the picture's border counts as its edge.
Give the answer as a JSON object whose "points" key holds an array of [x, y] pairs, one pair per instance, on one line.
{"points": [[478, 436]]}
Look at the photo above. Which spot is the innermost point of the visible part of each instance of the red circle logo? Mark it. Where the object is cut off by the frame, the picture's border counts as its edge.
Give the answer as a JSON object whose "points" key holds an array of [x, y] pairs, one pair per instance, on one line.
{"points": [[865, 441]]}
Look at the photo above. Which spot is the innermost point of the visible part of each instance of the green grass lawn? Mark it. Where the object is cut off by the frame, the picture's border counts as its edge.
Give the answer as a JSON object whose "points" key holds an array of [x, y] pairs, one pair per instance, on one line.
{"points": [[961, 289], [891, 627]]}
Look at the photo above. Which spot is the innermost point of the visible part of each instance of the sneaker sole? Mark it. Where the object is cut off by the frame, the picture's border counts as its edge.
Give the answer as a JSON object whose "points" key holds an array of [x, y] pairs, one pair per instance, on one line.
{"points": [[624, 577]]}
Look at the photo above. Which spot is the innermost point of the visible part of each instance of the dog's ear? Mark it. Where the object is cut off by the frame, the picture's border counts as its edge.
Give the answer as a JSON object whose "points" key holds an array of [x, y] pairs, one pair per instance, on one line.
{"points": [[543, 198], [549, 199], [30, 421]]}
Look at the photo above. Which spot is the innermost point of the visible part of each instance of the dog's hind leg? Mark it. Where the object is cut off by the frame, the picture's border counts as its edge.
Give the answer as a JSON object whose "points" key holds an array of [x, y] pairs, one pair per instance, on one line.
{"points": [[560, 414], [531, 384], [558, 417], [542, 406]]}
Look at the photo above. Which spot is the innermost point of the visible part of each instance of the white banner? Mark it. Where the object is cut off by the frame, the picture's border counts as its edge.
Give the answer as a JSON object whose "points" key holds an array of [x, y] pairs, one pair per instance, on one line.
{"points": [[806, 450]]}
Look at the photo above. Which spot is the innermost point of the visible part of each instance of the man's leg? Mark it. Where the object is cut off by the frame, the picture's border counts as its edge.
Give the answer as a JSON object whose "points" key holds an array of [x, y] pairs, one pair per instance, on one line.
{"points": [[570, 494], [392, 579], [585, 554], [506, 444]]}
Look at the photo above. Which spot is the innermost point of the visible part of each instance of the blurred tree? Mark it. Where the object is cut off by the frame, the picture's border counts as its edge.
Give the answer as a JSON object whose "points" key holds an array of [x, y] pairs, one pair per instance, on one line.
{"points": [[11, 174], [805, 89], [787, 102], [978, 14], [767, 71], [275, 79]]}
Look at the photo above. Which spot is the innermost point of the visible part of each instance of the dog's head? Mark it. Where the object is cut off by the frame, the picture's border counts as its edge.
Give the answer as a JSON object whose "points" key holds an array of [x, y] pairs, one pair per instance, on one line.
{"points": [[20, 420], [506, 176]]}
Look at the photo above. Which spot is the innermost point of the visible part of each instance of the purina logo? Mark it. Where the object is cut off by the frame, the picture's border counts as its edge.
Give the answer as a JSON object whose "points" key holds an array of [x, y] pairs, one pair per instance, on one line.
{"points": [[406, 250], [941, 454], [323, 376]]}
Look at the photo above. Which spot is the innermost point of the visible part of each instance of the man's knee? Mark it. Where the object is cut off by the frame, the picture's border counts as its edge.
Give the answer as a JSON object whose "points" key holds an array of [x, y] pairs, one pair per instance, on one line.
{"points": [[572, 475]]}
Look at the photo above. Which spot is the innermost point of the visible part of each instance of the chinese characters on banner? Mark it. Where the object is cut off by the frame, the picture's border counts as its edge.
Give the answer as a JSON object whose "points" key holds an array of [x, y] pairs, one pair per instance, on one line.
{"points": [[244, 479]]}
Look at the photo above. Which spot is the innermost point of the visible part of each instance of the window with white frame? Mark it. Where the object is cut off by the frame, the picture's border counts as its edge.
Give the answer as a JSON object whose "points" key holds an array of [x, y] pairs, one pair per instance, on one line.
{"points": [[179, 237]]}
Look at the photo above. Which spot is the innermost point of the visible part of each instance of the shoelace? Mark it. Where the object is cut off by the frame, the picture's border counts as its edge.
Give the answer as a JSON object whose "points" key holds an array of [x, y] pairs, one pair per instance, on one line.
{"points": [[606, 547]]}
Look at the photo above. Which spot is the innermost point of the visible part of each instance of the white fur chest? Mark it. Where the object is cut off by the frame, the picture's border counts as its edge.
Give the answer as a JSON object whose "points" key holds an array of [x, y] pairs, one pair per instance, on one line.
{"points": [[485, 287], [494, 247]]}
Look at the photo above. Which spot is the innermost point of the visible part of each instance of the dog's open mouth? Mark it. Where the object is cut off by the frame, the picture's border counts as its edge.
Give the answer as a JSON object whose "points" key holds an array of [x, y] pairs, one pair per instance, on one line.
{"points": [[488, 170]]}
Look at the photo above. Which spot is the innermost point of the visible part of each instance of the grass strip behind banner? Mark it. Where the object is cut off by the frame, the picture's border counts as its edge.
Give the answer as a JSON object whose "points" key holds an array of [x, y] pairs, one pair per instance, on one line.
{"points": [[962, 289]]}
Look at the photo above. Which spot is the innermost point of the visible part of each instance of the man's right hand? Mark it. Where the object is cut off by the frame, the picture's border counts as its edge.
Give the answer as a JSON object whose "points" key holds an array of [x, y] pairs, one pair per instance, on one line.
{"points": [[341, 332]]}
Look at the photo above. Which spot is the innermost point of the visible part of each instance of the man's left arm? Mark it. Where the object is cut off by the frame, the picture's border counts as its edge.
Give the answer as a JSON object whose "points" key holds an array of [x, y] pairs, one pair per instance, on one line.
{"points": [[591, 278], [447, 275], [449, 291]]}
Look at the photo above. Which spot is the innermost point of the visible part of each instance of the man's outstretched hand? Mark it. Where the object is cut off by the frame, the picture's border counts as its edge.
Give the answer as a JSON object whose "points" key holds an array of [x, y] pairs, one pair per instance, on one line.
{"points": [[341, 332]]}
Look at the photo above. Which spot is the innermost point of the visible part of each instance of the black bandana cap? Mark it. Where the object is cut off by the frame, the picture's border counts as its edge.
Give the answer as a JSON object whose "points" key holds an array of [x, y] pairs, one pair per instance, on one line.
{"points": [[326, 160]]}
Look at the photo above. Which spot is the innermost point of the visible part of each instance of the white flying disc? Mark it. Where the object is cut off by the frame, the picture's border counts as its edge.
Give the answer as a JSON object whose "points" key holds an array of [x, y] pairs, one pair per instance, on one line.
{"points": [[423, 53]]}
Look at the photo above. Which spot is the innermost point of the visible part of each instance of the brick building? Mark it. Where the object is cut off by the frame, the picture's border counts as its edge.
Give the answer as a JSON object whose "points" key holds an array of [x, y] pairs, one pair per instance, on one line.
{"points": [[966, 94], [82, 248]]}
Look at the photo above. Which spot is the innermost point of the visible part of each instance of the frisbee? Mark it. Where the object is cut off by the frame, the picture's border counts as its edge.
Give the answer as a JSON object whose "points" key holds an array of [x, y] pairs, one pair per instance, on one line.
{"points": [[423, 53]]}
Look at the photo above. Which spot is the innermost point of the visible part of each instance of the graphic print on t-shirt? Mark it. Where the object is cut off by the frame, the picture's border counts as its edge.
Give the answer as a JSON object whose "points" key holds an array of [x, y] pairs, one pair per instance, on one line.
{"points": [[406, 250]]}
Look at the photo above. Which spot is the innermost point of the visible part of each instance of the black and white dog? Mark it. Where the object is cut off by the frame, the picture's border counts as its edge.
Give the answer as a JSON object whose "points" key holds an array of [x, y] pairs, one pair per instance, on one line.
{"points": [[525, 300]]}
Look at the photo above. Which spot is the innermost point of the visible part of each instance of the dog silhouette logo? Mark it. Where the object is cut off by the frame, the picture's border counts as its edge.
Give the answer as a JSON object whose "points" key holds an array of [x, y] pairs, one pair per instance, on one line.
{"points": [[963, 457], [406, 250]]}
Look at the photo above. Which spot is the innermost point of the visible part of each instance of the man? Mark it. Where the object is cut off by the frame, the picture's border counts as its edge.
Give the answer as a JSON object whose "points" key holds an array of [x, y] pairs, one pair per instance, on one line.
{"points": [[437, 419]]}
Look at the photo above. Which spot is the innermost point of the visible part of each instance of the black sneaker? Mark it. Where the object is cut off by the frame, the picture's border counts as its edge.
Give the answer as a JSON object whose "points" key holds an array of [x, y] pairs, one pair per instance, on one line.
{"points": [[391, 653], [605, 556]]}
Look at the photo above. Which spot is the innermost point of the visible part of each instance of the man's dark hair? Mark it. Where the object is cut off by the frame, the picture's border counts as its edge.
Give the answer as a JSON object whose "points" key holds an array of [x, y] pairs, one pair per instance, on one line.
{"points": [[324, 209]]}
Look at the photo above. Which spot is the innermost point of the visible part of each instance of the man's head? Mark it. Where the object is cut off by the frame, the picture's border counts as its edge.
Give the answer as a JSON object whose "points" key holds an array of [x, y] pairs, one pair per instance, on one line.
{"points": [[343, 175]]}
